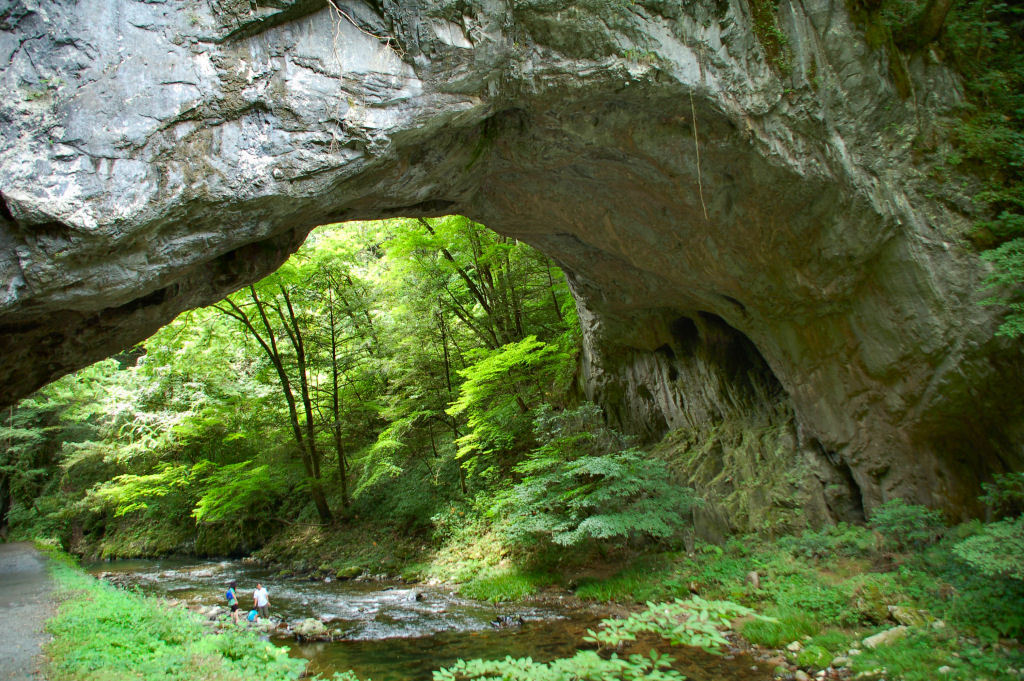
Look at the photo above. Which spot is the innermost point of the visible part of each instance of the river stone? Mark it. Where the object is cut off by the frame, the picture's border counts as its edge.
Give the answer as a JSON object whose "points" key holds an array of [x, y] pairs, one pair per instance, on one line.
{"points": [[744, 235], [350, 572], [309, 628]]}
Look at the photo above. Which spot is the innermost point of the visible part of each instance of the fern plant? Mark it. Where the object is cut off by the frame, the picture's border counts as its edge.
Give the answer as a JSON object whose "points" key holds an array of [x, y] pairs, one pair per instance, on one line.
{"points": [[585, 483]]}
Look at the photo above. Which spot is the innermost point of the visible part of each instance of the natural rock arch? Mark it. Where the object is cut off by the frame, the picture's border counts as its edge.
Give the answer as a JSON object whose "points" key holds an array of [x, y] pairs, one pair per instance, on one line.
{"points": [[157, 155]]}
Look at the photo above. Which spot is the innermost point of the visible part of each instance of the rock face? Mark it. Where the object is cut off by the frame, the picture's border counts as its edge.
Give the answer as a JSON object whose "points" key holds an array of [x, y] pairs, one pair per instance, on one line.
{"points": [[741, 231]]}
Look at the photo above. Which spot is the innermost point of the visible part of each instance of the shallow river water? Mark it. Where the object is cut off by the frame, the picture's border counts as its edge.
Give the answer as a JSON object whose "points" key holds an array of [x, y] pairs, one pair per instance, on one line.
{"points": [[398, 632]]}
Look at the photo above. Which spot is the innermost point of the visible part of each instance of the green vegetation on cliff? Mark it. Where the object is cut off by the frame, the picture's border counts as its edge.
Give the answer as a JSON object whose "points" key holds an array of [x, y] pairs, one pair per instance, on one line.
{"points": [[981, 40]]}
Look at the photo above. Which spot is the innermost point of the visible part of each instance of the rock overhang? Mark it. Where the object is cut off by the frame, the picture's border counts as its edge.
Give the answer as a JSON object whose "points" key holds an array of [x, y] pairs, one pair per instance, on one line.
{"points": [[159, 155]]}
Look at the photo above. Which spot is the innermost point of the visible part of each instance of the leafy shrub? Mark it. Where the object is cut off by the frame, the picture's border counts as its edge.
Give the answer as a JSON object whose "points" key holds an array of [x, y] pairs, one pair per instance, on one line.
{"points": [[693, 622], [585, 483], [585, 665], [906, 525], [825, 602], [871, 594], [1005, 494], [914, 658], [500, 389], [838, 540], [998, 551]]}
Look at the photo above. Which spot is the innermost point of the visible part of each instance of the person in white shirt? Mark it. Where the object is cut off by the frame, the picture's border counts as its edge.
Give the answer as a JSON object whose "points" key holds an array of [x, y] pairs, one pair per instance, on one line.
{"points": [[261, 601]]}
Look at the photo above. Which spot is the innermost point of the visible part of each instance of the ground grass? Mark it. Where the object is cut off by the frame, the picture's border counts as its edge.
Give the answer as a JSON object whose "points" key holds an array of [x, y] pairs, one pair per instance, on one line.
{"points": [[832, 588], [102, 633], [827, 589], [633, 585], [508, 584]]}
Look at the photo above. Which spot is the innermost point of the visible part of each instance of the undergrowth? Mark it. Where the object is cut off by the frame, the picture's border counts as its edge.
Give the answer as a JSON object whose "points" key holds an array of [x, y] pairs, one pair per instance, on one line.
{"points": [[101, 632]]}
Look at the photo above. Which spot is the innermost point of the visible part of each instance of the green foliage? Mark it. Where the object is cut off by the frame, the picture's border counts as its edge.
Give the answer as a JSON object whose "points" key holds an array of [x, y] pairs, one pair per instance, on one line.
{"points": [[1005, 494], [634, 584], [787, 625], [806, 593], [771, 36], [499, 389], [998, 551], [504, 585], [584, 483], [242, 490], [129, 493], [906, 525], [841, 539], [693, 622], [814, 656], [984, 39], [372, 323], [586, 665], [99, 628], [914, 658]]}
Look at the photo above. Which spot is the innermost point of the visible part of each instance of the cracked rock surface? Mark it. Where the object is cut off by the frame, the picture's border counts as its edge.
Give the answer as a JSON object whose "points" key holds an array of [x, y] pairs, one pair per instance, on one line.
{"points": [[740, 231]]}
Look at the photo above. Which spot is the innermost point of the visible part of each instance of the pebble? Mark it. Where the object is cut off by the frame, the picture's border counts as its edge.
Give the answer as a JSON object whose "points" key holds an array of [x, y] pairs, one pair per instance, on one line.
{"points": [[795, 647], [801, 675], [841, 662], [945, 669]]}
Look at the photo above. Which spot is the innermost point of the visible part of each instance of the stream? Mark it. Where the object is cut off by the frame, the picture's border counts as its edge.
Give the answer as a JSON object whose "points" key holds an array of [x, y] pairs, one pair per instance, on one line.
{"points": [[399, 632]]}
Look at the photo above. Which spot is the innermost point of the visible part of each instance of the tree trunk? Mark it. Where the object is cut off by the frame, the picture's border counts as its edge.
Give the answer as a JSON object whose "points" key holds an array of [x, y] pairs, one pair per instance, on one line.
{"points": [[269, 346], [335, 402], [929, 24], [5, 504], [551, 287], [295, 336]]}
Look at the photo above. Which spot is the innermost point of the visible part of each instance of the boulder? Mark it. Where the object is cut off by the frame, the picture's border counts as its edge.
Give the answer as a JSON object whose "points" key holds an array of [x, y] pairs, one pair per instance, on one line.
{"points": [[887, 637], [309, 629], [911, 617]]}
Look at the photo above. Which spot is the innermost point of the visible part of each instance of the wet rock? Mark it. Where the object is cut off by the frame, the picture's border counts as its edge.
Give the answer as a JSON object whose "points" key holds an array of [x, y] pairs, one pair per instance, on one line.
{"points": [[267, 625], [309, 629], [507, 621]]}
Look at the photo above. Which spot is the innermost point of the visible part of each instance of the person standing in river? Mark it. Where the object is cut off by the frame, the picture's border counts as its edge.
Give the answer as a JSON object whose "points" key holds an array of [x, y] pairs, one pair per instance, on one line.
{"points": [[261, 601], [232, 600]]}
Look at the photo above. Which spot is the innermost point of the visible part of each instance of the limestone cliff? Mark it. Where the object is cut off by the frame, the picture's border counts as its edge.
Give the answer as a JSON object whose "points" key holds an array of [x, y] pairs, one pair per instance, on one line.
{"points": [[747, 220]]}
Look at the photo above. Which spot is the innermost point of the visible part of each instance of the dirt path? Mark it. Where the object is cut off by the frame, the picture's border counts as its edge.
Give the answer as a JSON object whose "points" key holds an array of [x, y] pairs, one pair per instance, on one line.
{"points": [[25, 603]]}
